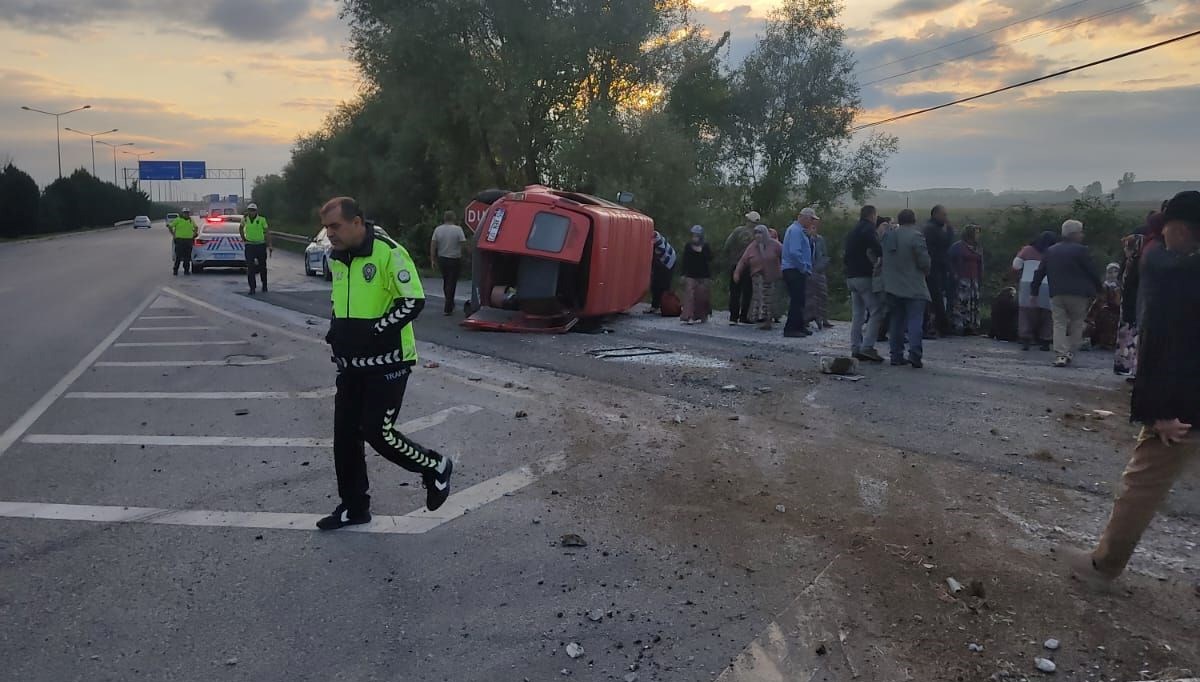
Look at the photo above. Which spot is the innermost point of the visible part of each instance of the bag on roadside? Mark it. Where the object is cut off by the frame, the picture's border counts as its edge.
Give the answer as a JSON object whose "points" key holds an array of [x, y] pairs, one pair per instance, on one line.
{"points": [[671, 305]]}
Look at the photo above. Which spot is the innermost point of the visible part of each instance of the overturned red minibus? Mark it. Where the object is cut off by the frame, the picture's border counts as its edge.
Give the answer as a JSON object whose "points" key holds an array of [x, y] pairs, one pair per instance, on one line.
{"points": [[546, 259]]}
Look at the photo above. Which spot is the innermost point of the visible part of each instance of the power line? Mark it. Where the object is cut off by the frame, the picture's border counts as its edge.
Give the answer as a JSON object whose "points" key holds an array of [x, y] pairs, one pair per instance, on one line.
{"points": [[974, 36], [1014, 86], [993, 48]]}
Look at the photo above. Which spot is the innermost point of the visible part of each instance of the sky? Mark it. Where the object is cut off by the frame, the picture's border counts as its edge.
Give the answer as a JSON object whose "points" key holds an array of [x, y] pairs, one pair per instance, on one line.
{"points": [[234, 82]]}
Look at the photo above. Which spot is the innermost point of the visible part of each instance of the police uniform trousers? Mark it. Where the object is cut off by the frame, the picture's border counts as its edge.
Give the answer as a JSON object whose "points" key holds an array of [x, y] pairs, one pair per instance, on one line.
{"points": [[256, 262], [183, 254], [366, 408]]}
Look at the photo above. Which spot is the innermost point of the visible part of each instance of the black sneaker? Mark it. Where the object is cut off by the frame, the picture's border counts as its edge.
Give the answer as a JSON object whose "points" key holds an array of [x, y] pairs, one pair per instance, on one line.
{"points": [[915, 362], [437, 484], [341, 517]]}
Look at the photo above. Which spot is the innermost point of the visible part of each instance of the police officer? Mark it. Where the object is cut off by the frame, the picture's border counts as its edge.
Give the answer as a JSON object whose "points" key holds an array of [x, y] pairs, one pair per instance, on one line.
{"points": [[376, 296], [257, 238], [183, 230]]}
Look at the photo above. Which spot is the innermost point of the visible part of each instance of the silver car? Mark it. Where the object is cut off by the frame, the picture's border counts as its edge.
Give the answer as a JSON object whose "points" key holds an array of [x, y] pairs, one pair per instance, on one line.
{"points": [[316, 254]]}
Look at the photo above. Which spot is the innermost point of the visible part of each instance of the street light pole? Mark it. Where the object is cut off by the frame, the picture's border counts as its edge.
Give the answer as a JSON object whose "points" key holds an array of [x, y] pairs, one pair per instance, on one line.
{"points": [[114, 148], [139, 156], [93, 137], [58, 131]]}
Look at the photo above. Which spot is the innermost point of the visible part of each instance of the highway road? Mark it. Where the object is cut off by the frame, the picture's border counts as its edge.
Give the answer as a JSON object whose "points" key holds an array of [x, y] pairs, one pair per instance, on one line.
{"points": [[166, 452]]}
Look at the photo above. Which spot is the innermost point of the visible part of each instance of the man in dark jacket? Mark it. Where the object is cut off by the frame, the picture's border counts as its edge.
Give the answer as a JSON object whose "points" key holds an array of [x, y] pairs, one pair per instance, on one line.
{"points": [[861, 253], [1074, 282], [939, 237], [1166, 397]]}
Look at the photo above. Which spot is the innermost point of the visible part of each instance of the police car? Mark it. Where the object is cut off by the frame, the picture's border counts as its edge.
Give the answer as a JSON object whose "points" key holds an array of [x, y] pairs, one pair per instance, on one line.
{"points": [[316, 254], [219, 244]]}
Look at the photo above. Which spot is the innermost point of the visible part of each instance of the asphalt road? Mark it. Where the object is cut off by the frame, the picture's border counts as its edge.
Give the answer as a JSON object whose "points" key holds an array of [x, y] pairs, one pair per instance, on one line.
{"points": [[156, 503]]}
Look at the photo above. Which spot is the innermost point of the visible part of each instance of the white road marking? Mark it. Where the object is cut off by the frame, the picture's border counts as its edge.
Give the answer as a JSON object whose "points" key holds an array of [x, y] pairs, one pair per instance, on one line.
{"points": [[245, 320], [164, 302], [204, 395], [19, 427], [168, 329], [416, 522], [163, 344], [168, 317], [412, 426], [197, 363], [176, 441]]}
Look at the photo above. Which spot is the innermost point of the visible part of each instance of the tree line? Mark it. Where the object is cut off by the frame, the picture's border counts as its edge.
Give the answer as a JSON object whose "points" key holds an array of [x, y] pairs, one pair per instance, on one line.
{"points": [[599, 97], [77, 201]]}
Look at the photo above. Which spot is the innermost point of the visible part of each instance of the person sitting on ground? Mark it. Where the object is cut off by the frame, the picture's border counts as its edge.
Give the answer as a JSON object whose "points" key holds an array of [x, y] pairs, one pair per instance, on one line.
{"points": [[762, 261], [1034, 324], [697, 272], [966, 270], [1166, 393]]}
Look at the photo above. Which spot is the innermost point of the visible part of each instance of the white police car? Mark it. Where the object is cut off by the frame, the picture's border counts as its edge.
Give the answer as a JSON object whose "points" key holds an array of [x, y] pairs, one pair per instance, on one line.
{"points": [[316, 254], [219, 244]]}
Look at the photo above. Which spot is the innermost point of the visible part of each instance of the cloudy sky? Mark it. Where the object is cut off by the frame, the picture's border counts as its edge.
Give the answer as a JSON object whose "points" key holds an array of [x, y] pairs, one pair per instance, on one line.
{"points": [[233, 82]]}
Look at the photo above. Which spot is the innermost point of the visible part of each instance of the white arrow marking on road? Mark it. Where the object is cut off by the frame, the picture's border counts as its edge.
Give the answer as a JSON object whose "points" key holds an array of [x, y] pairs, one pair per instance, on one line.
{"points": [[419, 424]]}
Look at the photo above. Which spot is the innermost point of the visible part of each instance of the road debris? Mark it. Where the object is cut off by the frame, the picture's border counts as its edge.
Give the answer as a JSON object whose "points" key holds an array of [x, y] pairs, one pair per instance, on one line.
{"points": [[572, 540], [521, 414], [975, 647], [730, 388], [241, 412], [596, 615], [839, 366], [954, 585], [432, 365], [1051, 644], [574, 650], [780, 508], [1045, 665]]}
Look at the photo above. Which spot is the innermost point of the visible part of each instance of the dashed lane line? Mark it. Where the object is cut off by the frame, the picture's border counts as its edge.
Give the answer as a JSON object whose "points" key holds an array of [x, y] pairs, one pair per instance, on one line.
{"points": [[168, 317], [411, 426], [203, 395], [413, 523], [197, 363], [18, 428]]}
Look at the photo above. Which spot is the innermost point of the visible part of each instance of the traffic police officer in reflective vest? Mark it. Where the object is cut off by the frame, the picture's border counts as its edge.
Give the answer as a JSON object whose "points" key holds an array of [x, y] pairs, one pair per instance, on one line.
{"points": [[376, 296], [257, 238], [183, 230]]}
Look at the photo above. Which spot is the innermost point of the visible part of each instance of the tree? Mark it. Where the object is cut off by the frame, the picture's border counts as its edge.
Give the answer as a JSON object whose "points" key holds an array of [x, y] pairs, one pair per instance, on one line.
{"points": [[1094, 190], [1126, 179], [797, 99], [19, 197]]}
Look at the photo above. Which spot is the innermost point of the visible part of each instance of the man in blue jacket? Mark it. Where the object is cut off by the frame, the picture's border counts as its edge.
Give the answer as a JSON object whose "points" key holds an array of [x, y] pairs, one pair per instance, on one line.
{"points": [[797, 266]]}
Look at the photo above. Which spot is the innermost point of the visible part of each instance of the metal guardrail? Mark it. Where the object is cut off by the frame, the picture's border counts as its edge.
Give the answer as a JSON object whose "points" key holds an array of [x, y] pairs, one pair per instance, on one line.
{"points": [[293, 238]]}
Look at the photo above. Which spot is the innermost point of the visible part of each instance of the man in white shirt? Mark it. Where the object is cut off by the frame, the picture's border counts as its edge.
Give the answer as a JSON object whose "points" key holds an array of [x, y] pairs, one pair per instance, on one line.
{"points": [[446, 250]]}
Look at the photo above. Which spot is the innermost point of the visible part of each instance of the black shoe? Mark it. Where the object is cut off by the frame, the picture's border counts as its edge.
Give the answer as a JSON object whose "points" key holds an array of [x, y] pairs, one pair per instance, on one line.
{"points": [[796, 334], [341, 518], [916, 363], [1024, 345], [252, 292], [1045, 346], [437, 484], [264, 287], [869, 355], [899, 363]]}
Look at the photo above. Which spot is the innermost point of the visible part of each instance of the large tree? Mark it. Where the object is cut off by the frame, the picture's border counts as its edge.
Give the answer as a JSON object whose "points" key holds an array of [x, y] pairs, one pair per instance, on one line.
{"points": [[796, 103]]}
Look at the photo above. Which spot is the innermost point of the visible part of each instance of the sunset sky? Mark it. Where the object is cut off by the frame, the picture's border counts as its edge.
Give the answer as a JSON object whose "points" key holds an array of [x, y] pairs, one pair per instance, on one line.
{"points": [[233, 82]]}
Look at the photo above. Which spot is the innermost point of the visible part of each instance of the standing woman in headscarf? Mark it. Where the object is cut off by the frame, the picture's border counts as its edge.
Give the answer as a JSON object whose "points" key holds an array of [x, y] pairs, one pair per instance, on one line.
{"points": [[966, 266], [697, 271], [1035, 323], [763, 261]]}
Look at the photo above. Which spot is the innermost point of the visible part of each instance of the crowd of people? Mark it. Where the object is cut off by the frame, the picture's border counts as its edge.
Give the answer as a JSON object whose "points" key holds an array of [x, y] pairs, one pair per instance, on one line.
{"points": [[909, 283]]}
